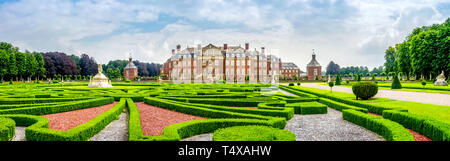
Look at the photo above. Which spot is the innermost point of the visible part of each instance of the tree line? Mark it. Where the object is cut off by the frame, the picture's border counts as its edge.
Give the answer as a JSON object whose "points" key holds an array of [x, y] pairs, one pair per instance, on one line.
{"points": [[423, 54], [16, 65], [334, 69]]}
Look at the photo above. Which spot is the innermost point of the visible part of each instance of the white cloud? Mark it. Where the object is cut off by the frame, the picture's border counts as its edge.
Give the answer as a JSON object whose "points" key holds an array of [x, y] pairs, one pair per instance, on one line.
{"points": [[347, 32]]}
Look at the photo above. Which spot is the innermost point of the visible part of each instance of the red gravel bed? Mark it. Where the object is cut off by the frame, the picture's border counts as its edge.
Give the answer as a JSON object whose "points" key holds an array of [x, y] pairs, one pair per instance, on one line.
{"points": [[155, 119], [417, 136], [67, 120], [374, 114]]}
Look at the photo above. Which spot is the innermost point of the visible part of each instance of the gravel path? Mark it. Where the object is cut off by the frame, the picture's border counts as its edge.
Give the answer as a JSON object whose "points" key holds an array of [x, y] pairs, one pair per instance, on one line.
{"points": [[202, 137], [20, 134], [115, 131], [328, 127], [422, 97]]}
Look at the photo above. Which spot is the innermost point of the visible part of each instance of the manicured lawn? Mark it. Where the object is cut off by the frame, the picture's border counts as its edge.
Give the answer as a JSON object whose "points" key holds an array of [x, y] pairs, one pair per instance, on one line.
{"points": [[410, 86], [438, 112]]}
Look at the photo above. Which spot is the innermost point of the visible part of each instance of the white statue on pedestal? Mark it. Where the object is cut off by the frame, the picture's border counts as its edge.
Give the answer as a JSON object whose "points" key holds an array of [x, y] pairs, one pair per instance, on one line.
{"points": [[100, 80], [440, 80]]}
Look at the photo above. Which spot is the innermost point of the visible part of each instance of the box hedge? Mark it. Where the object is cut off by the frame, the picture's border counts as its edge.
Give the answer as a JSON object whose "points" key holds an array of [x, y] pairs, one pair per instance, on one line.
{"points": [[390, 130], [435, 130], [186, 129], [38, 130], [7, 128]]}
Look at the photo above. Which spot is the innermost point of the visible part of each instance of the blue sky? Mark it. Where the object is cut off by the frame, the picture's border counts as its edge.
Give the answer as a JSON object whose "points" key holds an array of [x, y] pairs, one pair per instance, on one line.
{"points": [[349, 32]]}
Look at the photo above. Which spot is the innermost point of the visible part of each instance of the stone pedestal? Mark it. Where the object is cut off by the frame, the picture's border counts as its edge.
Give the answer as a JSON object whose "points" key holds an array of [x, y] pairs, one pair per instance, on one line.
{"points": [[440, 80], [100, 80]]}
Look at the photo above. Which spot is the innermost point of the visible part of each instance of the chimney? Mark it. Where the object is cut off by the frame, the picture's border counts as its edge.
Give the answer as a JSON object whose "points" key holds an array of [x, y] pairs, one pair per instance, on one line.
{"points": [[246, 46], [178, 47], [199, 46], [225, 46], [173, 51], [262, 49]]}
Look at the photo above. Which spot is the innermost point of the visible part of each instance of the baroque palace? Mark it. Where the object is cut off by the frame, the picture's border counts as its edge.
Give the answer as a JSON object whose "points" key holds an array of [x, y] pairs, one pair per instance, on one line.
{"points": [[232, 64]]}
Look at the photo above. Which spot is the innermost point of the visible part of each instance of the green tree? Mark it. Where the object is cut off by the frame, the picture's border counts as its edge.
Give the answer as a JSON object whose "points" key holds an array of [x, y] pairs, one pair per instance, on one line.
{"points": [[391, 60], [13, 71], [3, 63], [331, 84], [404, 61], [21, 61], [40, 69], [30, 66]]}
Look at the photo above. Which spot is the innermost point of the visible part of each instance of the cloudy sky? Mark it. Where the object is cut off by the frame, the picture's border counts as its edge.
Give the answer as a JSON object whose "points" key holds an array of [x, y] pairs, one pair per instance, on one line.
{"points": [[353, 32]]}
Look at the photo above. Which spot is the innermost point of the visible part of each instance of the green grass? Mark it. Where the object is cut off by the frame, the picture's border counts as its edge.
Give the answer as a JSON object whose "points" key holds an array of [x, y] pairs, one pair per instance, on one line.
{"points": [[410, 86], [253, 133], [438, 112]]}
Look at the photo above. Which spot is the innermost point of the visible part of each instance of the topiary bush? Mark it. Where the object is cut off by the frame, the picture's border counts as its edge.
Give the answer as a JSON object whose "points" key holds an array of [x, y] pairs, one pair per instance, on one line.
{"points": [[423, 83], [253, 133], [338, 80], [291, 84], [298, 83], [365, 90], [396, 82]]}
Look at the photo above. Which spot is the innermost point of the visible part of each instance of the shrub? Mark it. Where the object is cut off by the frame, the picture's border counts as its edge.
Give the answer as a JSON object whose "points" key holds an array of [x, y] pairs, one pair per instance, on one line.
{"points": [[317, 78], [340, 106], [390, 130], [338, 80], [424, 83], [7, 128], [396, 82], [298, 83], [55, 81], [331, 84], [365, 90], [435, 130], [127, 81], [253, 133], [291, 84], [11, 82], [312, 108], [347, 81]]}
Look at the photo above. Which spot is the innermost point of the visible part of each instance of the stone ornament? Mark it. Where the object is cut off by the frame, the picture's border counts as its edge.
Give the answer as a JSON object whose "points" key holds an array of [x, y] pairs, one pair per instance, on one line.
{"points": [[440, 80]]}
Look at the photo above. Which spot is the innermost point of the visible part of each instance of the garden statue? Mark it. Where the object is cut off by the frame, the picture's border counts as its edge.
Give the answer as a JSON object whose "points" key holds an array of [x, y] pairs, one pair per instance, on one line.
{"points": [[100, 80], [440, 80]]}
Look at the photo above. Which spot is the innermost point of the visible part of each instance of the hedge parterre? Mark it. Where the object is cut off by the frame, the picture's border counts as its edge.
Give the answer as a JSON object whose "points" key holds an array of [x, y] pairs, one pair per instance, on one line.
{"points": [[219, 104]]}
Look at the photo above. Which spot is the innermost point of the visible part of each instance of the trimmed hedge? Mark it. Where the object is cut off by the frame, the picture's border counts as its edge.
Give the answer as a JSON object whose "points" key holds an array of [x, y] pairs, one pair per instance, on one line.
{"points": [[134, 121], [7, 128], [37, 129], [312, 108], [296, 92], [435, 130], [49, 109], [201, 111], [253, 133], [267, 111], [340, 106], [370, 107], [390, 130], [4, 101], [308, 108], [182, 130], [247, 102]]}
